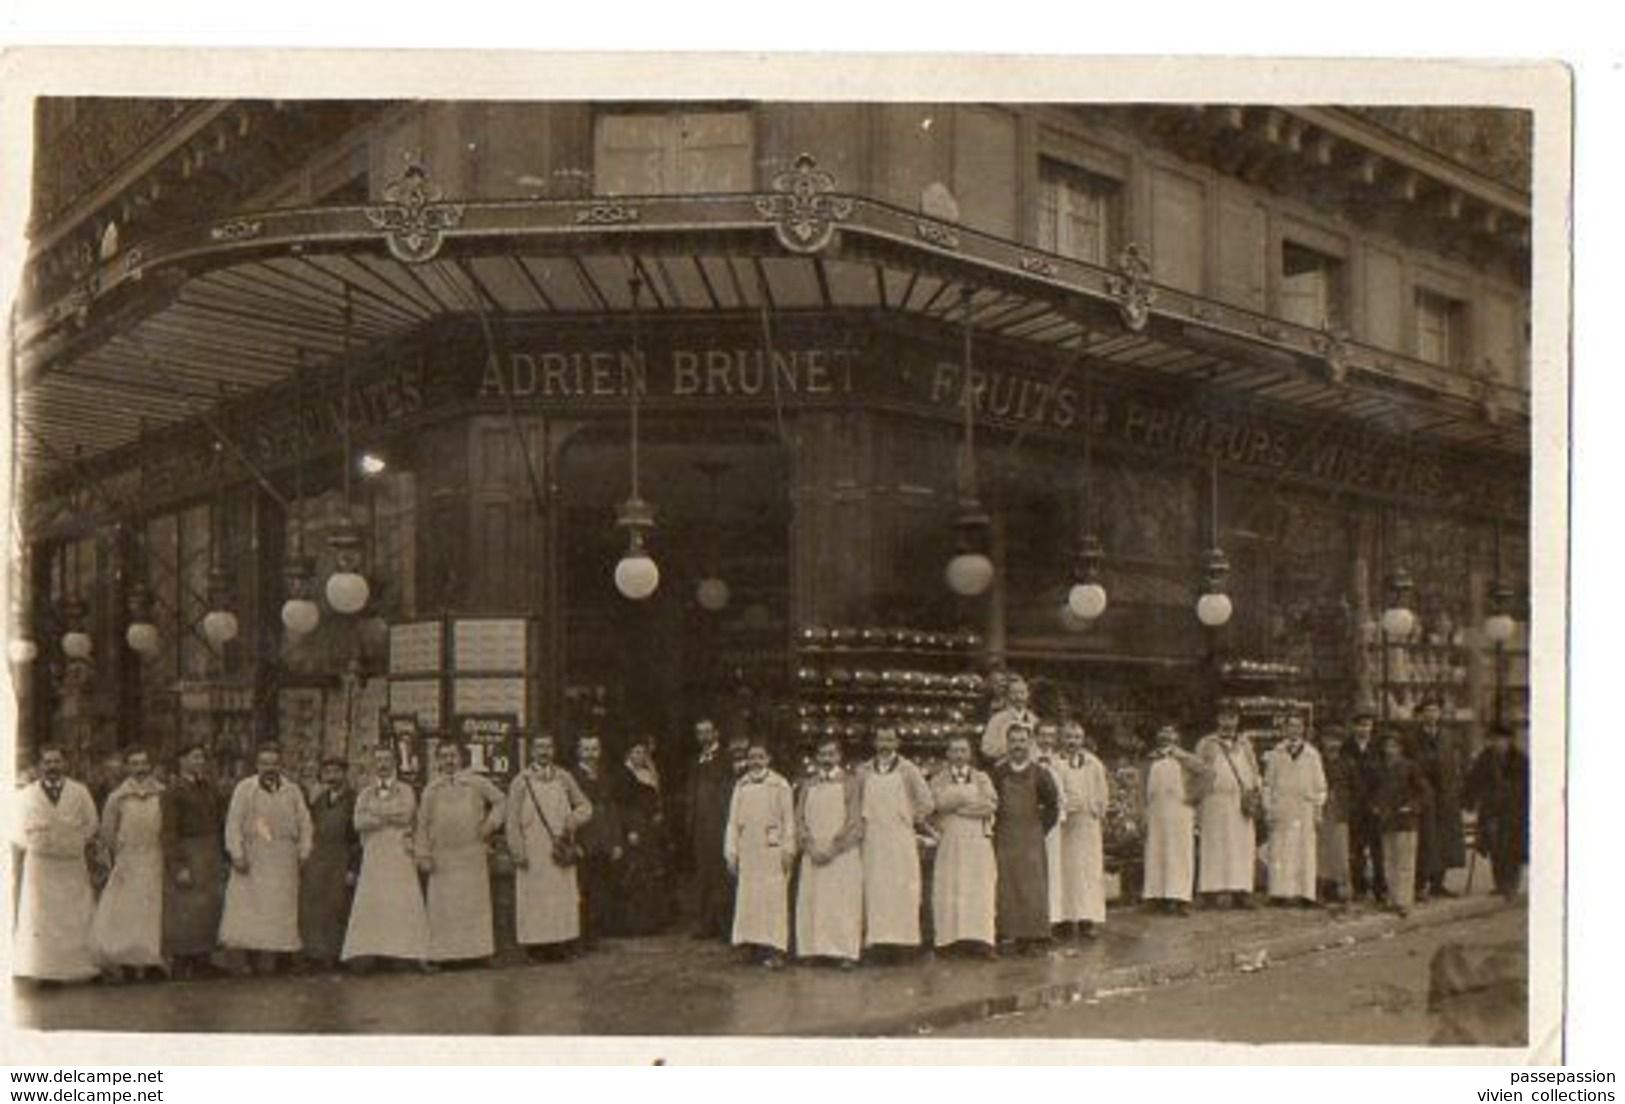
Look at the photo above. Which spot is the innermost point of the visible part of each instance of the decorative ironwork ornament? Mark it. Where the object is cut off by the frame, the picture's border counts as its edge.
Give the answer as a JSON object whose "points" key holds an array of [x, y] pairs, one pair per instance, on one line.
{"points": [[1131, 287], [414, 221], [804, 214]]}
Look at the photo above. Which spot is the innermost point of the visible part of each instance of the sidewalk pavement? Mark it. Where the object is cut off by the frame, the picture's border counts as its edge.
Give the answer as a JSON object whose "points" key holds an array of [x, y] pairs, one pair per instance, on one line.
{"points": [[672, 985]]}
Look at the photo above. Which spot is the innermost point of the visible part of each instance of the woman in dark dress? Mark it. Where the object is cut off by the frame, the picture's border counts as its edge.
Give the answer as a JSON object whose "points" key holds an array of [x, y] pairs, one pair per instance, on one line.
{"points": [[644, 901]]}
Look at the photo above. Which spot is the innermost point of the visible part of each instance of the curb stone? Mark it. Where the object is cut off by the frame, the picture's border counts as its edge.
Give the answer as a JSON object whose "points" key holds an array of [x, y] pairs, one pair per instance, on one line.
{"points": [[1247, 958]]}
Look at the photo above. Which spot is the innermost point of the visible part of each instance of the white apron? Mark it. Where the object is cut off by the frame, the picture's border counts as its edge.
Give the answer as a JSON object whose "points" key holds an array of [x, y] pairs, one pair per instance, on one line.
{"points": [[1083, 864], [891, 862], [1052, 851], [761, 835], [964, 887], [58, 905], [388, 918], [129, 925], [829, 902], [1169, 837], [547, 897], [272, 830], [451, 821], [1229, 840], [1294, 791]]}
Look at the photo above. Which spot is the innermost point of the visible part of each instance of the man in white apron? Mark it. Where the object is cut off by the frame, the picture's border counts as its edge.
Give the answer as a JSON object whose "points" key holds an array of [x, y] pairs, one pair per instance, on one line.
{"points": [[829, 898], [1294, 794], [388, 919], [896, 802], [545, 808], [759, 847], [1225, 819], [1173, 781], [459, 812], [56, 819], [268, 836], [964, 881], [128, 932], [1084, 797]]}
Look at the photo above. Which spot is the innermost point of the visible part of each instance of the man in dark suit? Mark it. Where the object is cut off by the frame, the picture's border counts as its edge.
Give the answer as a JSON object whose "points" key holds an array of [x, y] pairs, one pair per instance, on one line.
{"points": [[709, 790], [1362, 753], [600, 839], [1497, 786], [1436, 750]]}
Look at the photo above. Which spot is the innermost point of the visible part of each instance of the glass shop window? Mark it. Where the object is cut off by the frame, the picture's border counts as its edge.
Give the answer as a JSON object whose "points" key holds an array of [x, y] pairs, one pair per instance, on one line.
{"points": [[1311, 287], [1078, 212], [678, 153], [1441, 328]]}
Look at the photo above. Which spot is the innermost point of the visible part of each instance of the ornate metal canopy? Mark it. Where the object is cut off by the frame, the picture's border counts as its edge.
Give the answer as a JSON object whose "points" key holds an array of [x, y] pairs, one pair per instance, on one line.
{"points": [[170, 326]]}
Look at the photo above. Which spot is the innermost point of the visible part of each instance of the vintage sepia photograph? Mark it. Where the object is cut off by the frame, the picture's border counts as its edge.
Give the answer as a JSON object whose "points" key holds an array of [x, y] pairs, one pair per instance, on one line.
{"points": [[649, 565]]}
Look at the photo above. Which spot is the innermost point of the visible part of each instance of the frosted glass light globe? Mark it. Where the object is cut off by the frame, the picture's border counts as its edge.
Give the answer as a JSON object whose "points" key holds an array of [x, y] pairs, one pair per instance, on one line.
{"points": [[347, 591], [300, 616], [1214, 610], [1499, 627], [1398, 622], [143, 638], [712, 594], [969, 574], [23, 651], [220, 627], [637, 575], [1087, 601], [76, 645]]}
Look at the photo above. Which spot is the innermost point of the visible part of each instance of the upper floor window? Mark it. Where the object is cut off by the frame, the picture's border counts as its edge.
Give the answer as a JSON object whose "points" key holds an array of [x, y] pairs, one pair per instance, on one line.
{"points": [[673, 153], [1077, 212], [1311, 287], [1441, 328]]}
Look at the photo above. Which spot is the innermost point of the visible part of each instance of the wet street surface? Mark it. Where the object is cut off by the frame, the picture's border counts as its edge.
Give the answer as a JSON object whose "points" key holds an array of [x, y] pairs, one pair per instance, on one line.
{"points": [[673, 985], [1370, 993]]}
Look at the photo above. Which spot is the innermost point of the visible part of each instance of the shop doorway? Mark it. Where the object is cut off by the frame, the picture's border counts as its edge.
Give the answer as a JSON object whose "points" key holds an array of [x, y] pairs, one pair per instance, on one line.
{"points": [[650, 668]]}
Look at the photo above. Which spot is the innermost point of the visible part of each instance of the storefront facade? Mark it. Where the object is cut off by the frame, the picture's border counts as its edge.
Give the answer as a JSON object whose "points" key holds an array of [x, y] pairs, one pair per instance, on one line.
{"points": [[1173, 329]]}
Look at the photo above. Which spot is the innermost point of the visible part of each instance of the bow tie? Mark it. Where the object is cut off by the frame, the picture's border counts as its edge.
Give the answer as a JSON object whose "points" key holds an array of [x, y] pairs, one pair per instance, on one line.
{"points": [[961, 776], [272, 786], [53, 790], [1077, 762]]}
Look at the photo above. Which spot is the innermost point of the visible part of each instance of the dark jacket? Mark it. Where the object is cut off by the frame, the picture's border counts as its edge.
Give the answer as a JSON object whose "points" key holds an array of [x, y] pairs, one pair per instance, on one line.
{"points": [[1365, 770], [1498, 788], [603, 833], [1401, 796], [1438, 754]]}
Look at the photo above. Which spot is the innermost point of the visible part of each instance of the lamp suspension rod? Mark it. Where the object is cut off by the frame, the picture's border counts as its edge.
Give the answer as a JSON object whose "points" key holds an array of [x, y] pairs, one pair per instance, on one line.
{"points": [[965, 296], [636, 286], [298, 452], [1213, 499], [344, 400], [493, 352]]}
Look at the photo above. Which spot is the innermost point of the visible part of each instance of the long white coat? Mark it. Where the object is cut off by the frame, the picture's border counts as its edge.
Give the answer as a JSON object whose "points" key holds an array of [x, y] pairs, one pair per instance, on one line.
{"points": [[964, 884], [1084, 796], [1294, 793], [129, 925], [1170, 840], [388, 917], [829, 897], [1229, 838], [455, 817], [272, 831], [547, 896], [58, 905], [895, 800], [760, 842]]}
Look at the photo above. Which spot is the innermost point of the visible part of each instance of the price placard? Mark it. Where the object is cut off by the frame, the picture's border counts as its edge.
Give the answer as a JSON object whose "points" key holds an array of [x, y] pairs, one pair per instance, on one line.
{"points": [[471, 696], [415, 647], [492, 741], [490, 644], [419, 698]]}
